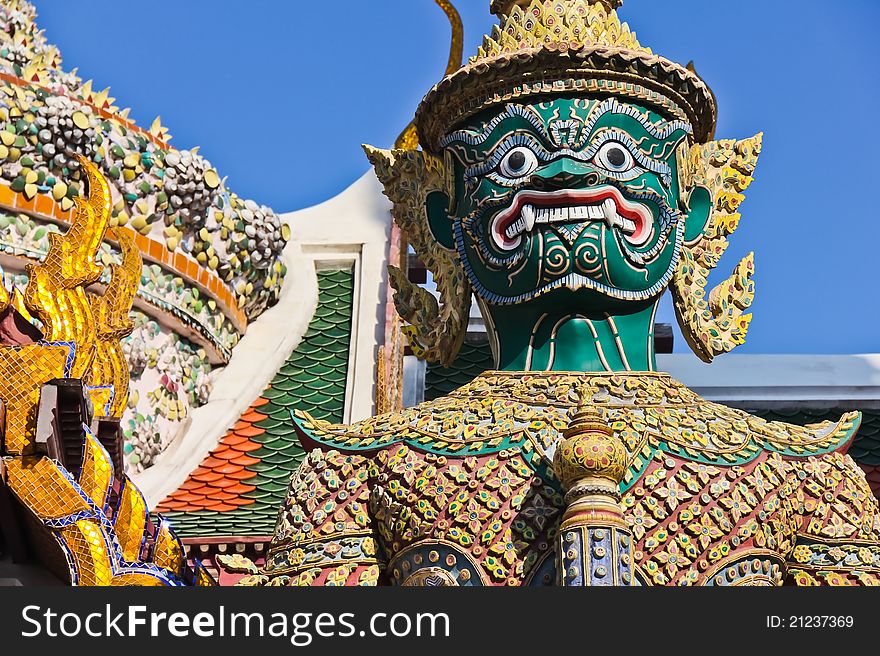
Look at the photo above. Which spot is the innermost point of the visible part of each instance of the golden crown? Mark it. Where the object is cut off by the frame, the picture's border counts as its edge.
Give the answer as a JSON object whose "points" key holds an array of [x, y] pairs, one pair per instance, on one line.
{"points": [[545, 47]]}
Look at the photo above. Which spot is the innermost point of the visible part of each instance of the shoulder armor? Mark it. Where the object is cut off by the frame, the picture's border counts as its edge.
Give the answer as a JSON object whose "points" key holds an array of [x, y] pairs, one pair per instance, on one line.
{"points": [[650, 413]]}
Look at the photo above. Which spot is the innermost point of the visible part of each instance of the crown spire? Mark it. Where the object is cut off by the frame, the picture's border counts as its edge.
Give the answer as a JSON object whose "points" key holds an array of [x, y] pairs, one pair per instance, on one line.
{"points": [[542, 47], [502, 8]]}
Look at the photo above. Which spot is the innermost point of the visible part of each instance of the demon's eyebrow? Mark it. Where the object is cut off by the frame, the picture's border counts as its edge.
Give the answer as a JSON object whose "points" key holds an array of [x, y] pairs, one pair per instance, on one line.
{"points": [[479, 137], [660, 131]]}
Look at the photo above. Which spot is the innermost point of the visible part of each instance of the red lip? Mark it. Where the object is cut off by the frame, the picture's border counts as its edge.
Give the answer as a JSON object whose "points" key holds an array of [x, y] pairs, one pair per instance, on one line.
{"points": [[636, 212]]}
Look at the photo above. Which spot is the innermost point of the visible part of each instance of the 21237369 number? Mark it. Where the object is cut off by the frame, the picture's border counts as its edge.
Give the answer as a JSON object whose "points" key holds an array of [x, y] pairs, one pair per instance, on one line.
{"points": [[810, 622]]}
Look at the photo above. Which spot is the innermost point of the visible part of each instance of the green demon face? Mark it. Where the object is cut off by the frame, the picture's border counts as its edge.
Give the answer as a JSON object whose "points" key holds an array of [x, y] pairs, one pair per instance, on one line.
{"points": [[567, 195]]}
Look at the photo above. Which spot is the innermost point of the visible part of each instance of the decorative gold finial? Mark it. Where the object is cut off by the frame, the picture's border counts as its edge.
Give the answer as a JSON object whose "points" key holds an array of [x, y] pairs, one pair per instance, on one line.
{"points": [[81, 330], [589, 455], [409, 138], [594, 543]]}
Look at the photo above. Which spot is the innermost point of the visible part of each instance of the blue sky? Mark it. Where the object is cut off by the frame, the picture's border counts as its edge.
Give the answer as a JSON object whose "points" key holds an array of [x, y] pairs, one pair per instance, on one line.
{"points": [[280, 94]]}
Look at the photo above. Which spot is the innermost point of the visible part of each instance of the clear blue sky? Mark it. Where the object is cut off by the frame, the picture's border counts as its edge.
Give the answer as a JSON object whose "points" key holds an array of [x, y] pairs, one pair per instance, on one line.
{"points": [[279, 94]]}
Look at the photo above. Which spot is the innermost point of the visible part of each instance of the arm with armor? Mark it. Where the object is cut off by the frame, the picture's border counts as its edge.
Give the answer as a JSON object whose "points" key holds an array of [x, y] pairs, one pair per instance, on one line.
{"points": [[324, 533], [838, 542]]}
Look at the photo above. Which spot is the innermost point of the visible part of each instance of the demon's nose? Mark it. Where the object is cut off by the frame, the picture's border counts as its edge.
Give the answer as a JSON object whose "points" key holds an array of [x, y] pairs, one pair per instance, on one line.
{"points": [[564, 180]]}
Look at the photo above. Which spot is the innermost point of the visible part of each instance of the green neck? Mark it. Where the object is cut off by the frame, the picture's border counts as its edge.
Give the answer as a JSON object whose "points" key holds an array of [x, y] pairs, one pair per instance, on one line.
{"points": [[534, 337]]}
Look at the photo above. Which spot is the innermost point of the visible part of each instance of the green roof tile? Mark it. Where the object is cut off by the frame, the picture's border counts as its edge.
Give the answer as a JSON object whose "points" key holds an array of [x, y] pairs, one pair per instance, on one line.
{"points": [[472, 360], [865, 448]]}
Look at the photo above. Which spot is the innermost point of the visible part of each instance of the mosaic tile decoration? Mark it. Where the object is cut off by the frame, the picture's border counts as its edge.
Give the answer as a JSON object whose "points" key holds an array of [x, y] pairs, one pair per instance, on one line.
{"points": [[474, 359], [175, 202], [102, 546]]}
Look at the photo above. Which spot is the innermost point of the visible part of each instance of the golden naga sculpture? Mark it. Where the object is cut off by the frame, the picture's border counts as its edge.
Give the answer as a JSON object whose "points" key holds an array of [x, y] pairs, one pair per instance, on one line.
{"points": [[567, 178], [99, 527]]}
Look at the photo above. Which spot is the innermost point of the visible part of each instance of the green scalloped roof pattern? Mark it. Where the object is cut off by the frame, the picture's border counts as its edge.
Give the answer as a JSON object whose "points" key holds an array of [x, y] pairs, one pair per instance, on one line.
{"points": [[865, 448], [313, 378], [472, 360]]}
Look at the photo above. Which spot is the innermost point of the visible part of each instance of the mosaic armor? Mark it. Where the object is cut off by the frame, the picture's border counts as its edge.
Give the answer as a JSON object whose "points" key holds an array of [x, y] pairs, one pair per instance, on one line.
{"points": [[463, 491]]}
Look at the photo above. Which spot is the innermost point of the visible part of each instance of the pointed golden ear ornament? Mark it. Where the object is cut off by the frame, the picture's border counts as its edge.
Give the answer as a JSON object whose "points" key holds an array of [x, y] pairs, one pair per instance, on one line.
{"points": [[716, 324], [435, 330]]}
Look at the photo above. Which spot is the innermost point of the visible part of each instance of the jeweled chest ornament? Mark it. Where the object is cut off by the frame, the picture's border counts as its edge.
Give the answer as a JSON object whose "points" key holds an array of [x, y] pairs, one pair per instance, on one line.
{"points": [[594, 544]]}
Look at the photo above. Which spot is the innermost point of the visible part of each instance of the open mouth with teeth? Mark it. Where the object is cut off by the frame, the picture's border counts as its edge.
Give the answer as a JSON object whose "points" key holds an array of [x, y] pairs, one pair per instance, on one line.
{"points": [[531, 209]]}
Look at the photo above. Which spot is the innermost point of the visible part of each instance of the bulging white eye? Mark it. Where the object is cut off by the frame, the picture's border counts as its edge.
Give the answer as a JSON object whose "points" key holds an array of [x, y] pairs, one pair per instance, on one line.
{"points": [[518, 162], [613, 156]]}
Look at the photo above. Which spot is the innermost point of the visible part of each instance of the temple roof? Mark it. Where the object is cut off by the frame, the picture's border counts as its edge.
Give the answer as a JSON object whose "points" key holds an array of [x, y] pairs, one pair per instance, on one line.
{"points": [[239, 487]]}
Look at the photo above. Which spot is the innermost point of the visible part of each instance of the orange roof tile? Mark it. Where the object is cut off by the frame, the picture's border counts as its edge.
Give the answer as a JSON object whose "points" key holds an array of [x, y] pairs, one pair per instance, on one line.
{"points": [[245, 460], [234, 440], [240, 488], [225, 483], [224, 496], [247, 447], [216, 484], [229, 469], [200, 490], [248, 430], [208, 477], [189, 497], [174, 505], [221, 457]]}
